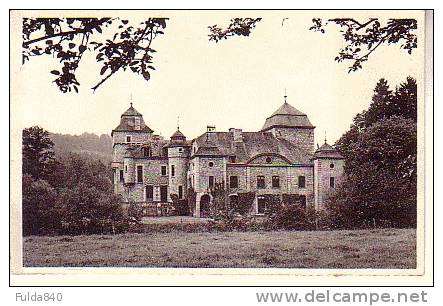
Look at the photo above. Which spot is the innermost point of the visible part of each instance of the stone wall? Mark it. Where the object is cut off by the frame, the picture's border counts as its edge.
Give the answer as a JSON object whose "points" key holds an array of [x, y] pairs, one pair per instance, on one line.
{"points": [[204, 170], [179, 159], [288, 178], [302, 138], [151, 176], [323, 172], [120, 137]]}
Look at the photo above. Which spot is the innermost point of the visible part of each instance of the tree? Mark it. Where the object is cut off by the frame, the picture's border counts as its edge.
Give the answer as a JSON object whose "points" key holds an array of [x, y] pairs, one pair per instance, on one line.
{"points": [[67, 39], [362, 39], [380, 184], [74, 169], [39, 212], [37, 153]]}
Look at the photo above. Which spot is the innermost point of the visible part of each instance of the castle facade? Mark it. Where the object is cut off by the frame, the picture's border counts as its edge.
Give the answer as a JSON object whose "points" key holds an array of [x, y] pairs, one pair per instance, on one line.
{"points": [[277, 160]]}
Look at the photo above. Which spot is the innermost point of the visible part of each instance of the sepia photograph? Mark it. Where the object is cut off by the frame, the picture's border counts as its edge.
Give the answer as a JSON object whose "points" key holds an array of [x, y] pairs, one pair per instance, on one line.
{"points": [[221, 142]]}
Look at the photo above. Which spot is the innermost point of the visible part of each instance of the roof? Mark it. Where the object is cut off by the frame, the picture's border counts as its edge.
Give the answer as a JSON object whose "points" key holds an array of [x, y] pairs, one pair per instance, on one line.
{"points": [[287, 116], [178, 134], [128, 122], [131, 111], [327, 151], [253, 144]]}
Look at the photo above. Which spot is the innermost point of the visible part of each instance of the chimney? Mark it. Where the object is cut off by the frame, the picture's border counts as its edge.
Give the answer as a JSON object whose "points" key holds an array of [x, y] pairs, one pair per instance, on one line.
{"points": [[236, 134], [209, 130]]}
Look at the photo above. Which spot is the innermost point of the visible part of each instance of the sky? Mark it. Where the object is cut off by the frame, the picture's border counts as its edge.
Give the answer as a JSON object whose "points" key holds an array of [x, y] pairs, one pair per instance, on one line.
{"points": [[237, 82]]}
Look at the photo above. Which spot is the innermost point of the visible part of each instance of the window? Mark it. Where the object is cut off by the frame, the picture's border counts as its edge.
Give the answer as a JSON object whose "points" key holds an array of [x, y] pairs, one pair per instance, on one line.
{"points": [[163, 193], [128, 139], [301, 182], [172, 170], [211, 164], [146, 152], [139, 174], [121, 176], [268, 160], [332, 182], [261, 181], [331, 166], [149, 192], [195, 149], [163, 170], [126, 168], [232, 159], [233, 182], [180, 150], [211, 181], [275, 182], [165, 152], [180, 192]]}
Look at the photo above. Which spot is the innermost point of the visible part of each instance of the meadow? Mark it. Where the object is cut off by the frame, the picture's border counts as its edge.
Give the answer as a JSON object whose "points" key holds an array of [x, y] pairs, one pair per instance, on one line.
{"points": [[344, 249]]}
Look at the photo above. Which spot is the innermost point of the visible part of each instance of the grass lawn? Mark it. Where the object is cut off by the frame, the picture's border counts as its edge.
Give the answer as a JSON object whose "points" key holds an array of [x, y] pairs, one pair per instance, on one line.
{"points": [[381, 248]]}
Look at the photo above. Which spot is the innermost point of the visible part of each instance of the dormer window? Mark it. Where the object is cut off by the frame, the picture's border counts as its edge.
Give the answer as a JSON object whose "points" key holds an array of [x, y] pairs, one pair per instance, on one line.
{"points": [[128, 139]]}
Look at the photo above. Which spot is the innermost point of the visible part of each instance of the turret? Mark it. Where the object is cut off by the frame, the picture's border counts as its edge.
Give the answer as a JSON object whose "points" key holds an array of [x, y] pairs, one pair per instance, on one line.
{"points": [[131, 130], [328, 172], [178, 160]]}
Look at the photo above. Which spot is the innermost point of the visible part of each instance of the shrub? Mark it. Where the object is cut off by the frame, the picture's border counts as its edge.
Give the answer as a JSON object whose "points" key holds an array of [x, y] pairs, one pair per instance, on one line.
{"points": [[85, 210], [292, 217], [180, 206], [245, 201], [135, 211]]}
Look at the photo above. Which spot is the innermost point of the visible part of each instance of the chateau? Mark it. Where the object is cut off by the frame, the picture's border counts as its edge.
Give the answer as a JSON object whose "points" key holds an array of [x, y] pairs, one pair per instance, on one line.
{"points": [[279, 159]]}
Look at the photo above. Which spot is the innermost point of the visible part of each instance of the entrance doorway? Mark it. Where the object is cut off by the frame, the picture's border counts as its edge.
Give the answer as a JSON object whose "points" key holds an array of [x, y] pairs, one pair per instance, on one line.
{"points": [[261, 203], [205, 202]]}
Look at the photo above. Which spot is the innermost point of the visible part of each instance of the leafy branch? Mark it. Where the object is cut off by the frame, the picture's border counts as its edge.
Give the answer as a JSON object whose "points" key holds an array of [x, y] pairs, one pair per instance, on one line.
{"points": [[362, 39], [67, 39], [237, 27]]}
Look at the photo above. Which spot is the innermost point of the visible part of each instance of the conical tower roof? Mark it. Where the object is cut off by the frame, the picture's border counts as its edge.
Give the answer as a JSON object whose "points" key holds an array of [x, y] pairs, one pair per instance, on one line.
{"points": [[288, 109], [287, 116], [132, 121], [327, 151], [131, 111], [177, 135]]}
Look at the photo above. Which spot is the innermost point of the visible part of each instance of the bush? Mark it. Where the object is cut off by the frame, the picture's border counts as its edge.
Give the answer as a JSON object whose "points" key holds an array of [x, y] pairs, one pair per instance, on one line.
{"points": [[245, 201], [180, 206], [292, 217], [85, 210], [135, 212]]}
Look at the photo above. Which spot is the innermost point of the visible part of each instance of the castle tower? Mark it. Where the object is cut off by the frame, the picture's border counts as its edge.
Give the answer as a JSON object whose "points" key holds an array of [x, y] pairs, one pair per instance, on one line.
{"points": [[328, 172], [131, 130], [178, 160], [291, 124]]}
